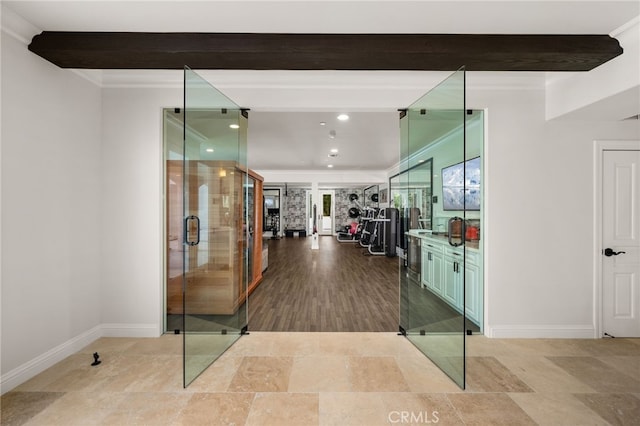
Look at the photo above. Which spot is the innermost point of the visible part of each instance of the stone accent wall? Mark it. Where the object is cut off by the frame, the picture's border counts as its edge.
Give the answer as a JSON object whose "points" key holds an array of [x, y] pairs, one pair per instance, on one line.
{"points": [[295, 209], [342, 206]]}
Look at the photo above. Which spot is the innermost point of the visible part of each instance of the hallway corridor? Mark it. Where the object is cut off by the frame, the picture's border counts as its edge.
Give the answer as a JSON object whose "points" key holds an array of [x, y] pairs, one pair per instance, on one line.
{"points": [[336, 288]]}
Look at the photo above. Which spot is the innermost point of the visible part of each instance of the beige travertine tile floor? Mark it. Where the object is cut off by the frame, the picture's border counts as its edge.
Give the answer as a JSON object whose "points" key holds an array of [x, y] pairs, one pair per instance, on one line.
{"points": [[367, 379]]}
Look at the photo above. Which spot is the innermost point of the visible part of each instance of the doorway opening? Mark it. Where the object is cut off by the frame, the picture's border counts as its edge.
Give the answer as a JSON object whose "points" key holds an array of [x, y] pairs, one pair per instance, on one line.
{"points": [[287, 206], [438, 119]]}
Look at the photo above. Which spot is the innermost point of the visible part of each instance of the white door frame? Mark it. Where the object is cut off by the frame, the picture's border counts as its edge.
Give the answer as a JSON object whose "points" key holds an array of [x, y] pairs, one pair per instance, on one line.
{"points": [[308, 211], [331, 192], [599, 147]]}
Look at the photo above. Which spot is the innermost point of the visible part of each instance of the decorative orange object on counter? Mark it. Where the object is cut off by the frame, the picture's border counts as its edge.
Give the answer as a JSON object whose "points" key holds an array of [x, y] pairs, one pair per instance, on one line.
{"points": [[472, 233]]}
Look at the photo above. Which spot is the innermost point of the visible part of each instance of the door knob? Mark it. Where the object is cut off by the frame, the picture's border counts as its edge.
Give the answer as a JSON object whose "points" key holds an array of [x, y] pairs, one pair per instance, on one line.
{"points": [[609, 252]]}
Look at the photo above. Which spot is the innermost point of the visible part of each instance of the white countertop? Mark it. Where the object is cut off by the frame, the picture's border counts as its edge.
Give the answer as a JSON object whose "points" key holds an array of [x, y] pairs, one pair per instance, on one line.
{"points": [[423, 233]]}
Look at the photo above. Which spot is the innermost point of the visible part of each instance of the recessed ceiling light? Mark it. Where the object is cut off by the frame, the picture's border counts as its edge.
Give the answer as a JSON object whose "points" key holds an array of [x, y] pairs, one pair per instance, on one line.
{"points": [[343, 117], [421, 161], [330, 166], [334, 150], [209, 149], [234, 126], [323, 123]]}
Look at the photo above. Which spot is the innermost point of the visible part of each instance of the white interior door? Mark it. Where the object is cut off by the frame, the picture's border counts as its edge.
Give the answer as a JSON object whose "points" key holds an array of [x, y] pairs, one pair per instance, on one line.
{"points": [[326, 212], [621, 243]]}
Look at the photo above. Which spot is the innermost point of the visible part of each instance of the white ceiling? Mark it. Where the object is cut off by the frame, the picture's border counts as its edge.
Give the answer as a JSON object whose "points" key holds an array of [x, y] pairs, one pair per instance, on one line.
{"points": [[331, 16], [287, 106], [297, 140]]}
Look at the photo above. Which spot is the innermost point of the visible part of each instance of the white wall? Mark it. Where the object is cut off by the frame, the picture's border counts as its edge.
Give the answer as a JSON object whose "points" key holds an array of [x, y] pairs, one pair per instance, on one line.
{"points": [[539, 215], [538, 209], [132, 269], [51, 210]]}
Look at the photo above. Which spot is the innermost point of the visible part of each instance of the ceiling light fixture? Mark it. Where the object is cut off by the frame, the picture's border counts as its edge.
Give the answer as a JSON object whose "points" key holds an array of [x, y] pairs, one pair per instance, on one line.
{"points": [[343, 117], [234, 126], [334, 150], [330, 166], [209, 149], [323, 123]]}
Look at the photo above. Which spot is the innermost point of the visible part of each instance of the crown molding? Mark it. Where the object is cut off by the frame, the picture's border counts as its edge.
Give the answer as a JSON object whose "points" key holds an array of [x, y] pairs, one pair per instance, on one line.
{"points": [[315, 80], [16, 26], [629, 27]]}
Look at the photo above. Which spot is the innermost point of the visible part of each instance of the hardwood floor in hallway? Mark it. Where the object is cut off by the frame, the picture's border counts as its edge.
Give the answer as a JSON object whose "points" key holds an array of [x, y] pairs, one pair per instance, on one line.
{"points": [[336, 288]]}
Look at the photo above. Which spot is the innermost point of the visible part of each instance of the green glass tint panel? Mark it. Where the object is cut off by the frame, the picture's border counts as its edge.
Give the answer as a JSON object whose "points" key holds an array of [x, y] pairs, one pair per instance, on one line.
{"points": [[215, 194], [326, 204], [432, 275]]}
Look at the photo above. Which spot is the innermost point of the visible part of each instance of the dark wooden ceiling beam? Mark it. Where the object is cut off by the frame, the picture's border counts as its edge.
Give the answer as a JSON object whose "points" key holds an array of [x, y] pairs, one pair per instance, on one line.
{"points": [[261, 51]]}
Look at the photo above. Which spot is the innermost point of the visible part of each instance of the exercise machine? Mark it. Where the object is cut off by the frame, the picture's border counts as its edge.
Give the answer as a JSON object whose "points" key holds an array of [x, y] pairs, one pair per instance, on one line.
{"points": [[384, 233], [368, 226], [376, 240], [353, 231], [274, 222], [377, 229]]}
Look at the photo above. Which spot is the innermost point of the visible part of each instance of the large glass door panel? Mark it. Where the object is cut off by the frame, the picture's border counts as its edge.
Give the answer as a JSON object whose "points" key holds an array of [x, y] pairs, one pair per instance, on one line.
{"points": [[215, 194], [430, 190]]}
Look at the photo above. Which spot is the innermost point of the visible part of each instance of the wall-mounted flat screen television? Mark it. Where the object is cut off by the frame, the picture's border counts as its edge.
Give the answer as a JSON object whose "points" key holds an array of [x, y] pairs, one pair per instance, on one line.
{"points": [[461, 186]]}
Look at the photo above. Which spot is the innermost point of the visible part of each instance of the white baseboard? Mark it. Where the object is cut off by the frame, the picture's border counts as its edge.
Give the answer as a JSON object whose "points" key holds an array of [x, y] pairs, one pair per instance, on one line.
{"points": [[541, 331], [31, 368], [37, 365]]}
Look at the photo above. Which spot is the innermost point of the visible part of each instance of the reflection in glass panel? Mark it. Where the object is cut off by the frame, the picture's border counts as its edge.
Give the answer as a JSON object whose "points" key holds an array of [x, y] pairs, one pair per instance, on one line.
{"points": [[371, 196], [432, 276], [250, 212], [215, 197]]}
